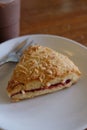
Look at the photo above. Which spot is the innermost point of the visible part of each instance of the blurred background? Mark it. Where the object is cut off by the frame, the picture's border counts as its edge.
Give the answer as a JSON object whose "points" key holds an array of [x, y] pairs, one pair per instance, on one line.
{"points": [[66, 18]]}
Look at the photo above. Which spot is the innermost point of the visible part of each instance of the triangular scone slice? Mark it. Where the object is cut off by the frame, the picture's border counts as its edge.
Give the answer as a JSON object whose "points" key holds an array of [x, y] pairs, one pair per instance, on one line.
{"points": [[41, 70]]}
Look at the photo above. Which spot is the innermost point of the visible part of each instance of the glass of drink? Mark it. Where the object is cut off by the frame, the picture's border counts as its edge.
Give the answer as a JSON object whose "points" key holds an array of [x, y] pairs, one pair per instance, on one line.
{"points": [[9, 19]]}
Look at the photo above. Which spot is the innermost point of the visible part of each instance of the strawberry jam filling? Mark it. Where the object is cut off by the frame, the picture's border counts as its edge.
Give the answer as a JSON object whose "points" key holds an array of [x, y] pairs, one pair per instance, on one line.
{"points": [[44, 88]]}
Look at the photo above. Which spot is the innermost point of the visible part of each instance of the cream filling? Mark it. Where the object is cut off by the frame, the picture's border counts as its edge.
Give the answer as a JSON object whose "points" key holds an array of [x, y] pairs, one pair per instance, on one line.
{"points": [[58, 82], [43, 88]]}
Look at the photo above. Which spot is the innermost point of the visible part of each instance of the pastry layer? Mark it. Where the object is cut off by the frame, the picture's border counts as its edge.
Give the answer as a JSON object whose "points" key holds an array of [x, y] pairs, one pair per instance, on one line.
{"points": [[24, 94], [38, 69]]}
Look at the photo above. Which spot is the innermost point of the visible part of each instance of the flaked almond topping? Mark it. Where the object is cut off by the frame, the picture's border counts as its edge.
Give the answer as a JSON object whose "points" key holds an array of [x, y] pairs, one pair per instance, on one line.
{"points": [[36, 71], [41, 80], [45, 56], [21, 66], [49, 71], [43, 68], [45, 64], [30, 72], [40, 65], [24, 72]]}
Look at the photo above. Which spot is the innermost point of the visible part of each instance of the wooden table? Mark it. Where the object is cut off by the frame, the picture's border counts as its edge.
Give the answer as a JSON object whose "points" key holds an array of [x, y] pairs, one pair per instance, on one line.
{"points": [[67, 18]]}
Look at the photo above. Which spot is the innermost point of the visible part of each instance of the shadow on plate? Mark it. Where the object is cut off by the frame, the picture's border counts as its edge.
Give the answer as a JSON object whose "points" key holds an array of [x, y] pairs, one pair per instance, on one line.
{"points": [[5, 74]]}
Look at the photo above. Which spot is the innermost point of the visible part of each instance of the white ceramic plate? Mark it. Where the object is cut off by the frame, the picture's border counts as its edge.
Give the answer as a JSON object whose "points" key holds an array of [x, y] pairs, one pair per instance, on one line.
{"points": [[63, 110]]}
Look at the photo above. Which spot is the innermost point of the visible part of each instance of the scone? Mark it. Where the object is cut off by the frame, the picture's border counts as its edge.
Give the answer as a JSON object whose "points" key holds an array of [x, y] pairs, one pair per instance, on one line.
{"points": [[41, 70]]}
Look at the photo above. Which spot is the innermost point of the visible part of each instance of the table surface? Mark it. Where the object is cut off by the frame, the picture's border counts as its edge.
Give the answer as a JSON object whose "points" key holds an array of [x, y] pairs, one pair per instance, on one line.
{"points": [[67, 18]]}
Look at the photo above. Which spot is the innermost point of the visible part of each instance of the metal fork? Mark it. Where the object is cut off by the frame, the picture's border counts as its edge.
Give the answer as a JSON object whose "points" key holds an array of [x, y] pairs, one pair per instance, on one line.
{"points": [[15, 54]]}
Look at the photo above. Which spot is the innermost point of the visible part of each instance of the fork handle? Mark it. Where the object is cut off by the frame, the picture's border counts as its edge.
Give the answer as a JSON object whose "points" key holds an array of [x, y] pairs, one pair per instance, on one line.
{"points": [[4, 61], [11, 58]]}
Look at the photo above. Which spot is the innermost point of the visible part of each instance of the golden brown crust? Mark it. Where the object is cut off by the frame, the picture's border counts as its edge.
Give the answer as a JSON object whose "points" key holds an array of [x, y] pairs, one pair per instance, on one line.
{"points": [[40, 64]]}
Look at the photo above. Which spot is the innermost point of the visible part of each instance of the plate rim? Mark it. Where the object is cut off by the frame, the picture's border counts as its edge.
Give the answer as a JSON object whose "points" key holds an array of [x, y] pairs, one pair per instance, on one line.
{"points": [[45, 35]]}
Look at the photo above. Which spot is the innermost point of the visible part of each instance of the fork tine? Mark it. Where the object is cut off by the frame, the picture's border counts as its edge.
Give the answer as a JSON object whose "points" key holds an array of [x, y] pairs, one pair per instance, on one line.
{"points": [[28, 43], [18, 47]]}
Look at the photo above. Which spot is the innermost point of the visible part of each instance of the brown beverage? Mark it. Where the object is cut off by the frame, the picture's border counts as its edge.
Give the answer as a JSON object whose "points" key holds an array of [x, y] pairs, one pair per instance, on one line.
{"points": [[9, 19]]}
